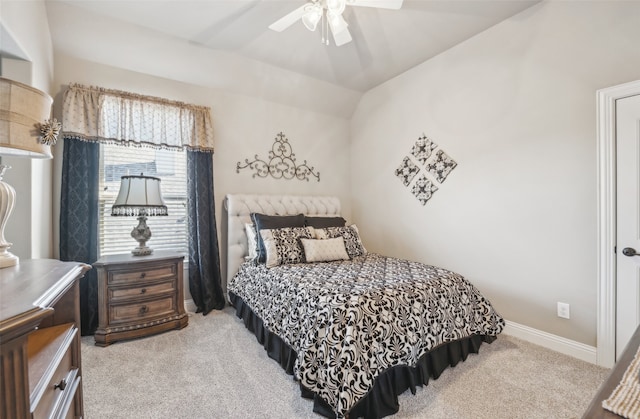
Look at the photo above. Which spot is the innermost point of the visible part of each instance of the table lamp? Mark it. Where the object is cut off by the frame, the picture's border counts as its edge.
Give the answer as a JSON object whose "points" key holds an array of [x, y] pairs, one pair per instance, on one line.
{"points": [[140, 196], [25, 131]]}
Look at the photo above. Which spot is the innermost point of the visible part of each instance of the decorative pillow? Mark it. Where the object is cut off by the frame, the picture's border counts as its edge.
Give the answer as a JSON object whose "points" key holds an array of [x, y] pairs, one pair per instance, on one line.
{"points": [[324, 222], [350, 235], [264, 222], [252, 243], [283, 246], [324, 250]]}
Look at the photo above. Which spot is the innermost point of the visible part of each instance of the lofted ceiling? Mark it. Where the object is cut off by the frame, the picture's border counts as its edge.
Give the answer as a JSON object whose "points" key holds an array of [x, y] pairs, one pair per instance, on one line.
{"points": [[385, 42]]}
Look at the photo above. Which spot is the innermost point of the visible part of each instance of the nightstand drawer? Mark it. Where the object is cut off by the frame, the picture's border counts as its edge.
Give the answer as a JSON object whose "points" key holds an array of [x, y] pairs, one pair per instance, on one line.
{"points": [[150, 274], [123, 313], [119, 294]]}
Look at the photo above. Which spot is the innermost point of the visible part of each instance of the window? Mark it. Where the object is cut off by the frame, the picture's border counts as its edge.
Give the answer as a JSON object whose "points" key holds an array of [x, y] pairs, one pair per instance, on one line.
{"points": [[170, 166]]}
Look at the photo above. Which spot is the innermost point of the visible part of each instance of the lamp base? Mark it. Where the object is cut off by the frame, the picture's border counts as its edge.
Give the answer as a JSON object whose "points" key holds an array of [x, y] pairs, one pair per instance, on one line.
{"points": [[142, 251], [141, 233], [7, 258], [7, 202]]}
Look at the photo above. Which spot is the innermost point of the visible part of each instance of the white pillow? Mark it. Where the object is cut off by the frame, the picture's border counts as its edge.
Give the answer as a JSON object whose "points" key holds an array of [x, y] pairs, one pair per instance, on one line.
{"points": [[252, 242], [324, 250]]}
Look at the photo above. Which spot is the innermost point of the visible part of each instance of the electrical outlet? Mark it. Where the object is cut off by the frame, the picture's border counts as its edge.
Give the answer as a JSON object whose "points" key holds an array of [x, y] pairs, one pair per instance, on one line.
{"points": [[564, 310]]}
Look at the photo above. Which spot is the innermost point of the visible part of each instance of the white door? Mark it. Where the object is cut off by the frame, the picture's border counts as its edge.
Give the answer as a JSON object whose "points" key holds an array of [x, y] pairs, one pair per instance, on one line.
{"points": [[627, 219]]}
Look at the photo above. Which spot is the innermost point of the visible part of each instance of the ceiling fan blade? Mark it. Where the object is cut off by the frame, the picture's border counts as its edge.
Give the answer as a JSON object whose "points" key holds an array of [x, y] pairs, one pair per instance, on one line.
{"points": [[380, 4], [288, 20], [342, 37]]}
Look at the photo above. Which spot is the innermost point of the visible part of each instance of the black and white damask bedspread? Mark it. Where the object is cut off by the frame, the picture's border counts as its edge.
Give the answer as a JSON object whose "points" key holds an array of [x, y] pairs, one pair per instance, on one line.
{"points": [[349, 321]]}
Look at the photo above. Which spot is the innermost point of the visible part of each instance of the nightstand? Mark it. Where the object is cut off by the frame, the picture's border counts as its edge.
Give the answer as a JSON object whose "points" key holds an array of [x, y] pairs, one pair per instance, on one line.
{"points": [[139, 296]]}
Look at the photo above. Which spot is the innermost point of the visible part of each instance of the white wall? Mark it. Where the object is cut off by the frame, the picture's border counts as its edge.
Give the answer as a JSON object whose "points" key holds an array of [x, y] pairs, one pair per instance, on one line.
{"points": [[25, 37], [243, 127], [515, 107]]}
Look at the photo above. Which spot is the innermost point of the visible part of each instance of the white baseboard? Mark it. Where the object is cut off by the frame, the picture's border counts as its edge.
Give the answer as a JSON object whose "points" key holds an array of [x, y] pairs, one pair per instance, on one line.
{"points": [[190, 306], [553, 342]]}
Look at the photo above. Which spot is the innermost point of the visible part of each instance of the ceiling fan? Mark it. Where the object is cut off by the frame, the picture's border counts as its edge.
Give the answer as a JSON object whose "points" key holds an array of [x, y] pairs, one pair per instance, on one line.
{"points": [[328, 13]]}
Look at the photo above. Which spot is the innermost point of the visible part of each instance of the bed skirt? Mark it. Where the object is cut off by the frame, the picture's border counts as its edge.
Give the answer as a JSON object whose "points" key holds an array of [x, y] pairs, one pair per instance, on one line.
{"points": [[382, 400]]}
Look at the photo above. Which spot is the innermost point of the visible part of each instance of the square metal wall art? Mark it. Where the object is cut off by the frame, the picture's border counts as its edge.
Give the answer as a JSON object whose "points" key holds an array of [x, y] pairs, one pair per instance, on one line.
{"points": [[441, 166], [424, 168], [407, 171], [423, 189], [422, 149]]}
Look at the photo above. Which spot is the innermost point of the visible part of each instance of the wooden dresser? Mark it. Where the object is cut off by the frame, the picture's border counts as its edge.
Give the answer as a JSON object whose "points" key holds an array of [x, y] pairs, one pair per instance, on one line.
{"points": [[139, 295], [40, 340], [595, 410]]}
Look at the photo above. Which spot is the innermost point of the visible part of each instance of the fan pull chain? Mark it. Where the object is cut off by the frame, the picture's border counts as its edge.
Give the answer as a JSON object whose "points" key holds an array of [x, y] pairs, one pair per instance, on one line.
{"points": [[322, 40], [327, 30]]}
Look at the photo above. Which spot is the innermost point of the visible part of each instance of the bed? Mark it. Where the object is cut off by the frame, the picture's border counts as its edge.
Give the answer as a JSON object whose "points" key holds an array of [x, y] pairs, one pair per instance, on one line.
{"points": [[357, 330]]}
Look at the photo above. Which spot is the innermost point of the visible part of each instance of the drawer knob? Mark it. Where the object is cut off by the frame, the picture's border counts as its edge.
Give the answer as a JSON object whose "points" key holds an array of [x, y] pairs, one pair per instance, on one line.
{"points": [[143, 290], [143, 274], [61, 385], [143, 309]]}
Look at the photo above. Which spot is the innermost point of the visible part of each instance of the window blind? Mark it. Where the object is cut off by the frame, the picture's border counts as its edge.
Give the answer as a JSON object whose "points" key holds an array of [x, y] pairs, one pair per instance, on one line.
{"points": [[168, 232]]}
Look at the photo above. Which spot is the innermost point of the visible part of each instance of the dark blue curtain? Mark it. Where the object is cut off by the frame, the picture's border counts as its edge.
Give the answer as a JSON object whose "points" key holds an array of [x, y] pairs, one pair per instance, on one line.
{"points": [[204, 256], [79, 220]]}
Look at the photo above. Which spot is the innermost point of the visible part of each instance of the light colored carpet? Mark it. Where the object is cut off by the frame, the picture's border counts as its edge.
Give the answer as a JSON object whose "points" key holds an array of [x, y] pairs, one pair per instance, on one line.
{"points": [[215, 368]]}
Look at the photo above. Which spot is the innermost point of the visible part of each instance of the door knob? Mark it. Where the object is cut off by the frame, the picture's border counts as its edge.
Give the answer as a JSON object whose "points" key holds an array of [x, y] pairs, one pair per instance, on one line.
{"points": [[629, 251]]}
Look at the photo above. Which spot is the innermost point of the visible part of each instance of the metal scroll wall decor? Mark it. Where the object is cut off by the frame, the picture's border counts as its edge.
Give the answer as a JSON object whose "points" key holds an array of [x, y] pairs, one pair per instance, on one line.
{"points": [[281, 163], [425, 169]]}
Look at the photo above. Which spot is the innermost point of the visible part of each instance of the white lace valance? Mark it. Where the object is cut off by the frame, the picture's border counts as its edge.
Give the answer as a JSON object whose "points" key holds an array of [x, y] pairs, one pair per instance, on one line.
{"points": [[97, 114]]}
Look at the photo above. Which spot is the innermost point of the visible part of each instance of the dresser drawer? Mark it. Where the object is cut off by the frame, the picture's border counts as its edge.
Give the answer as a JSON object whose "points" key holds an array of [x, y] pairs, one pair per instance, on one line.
{"points": [[65, 408], [117, 294], [117, 276], [54, 393], [62, 402], [136, 312]]}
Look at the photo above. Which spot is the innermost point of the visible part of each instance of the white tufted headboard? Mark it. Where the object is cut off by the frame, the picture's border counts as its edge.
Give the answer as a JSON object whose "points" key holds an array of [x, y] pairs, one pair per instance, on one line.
{"points": [[239, 208]]}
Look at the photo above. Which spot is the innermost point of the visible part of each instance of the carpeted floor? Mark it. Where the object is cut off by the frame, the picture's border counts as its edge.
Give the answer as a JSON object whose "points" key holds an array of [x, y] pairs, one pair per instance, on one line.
{"points": [[215, 368]]}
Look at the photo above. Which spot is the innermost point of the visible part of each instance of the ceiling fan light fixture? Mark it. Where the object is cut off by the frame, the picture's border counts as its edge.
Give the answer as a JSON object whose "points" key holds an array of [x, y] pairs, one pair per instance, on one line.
{"points": [[336, 6], [314, 12], [312, 16], [336, 22]]}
